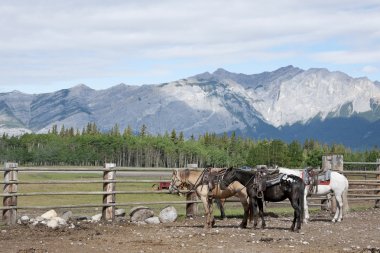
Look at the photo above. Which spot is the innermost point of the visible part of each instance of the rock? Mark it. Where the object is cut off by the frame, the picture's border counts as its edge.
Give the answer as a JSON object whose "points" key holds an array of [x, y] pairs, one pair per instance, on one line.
{"points": [[52, 223], [96, 217], [49, 214], [61, 221], [67, 215], [134, 209], [141, 214], [168, 214], [120, 212], [24, 219], [153, 220], [82, 218], [38, 219]]}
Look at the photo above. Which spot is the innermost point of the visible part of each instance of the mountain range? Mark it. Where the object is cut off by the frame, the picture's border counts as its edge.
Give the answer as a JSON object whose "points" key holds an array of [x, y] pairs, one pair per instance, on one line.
{"points": [[288, 103]]}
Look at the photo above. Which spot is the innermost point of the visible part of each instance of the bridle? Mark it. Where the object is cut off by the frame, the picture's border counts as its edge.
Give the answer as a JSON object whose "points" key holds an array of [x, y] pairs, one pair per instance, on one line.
{"points": [[175, 180], [184, 183]]}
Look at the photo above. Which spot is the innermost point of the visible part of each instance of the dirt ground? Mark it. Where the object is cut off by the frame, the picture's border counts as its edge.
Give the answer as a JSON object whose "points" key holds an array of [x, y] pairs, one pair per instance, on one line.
{"points": [[358, 232]]}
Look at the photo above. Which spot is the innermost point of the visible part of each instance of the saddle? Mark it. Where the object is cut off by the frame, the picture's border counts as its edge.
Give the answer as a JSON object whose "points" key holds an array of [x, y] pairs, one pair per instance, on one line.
{"points": [[212, 177], [265, 178], [314, 177]]}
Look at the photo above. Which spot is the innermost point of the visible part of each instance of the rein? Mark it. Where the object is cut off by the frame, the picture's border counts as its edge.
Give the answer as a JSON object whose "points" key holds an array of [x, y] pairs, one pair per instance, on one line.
{"points": [[244, 186]]}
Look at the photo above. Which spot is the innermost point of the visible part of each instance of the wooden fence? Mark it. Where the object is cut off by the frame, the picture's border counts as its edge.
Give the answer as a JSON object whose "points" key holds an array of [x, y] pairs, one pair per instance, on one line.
{"points": [[109, 181]]}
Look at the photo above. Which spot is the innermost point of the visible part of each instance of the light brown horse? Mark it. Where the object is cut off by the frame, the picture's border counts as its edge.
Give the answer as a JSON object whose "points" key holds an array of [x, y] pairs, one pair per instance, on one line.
{"points": [[193, 180]]}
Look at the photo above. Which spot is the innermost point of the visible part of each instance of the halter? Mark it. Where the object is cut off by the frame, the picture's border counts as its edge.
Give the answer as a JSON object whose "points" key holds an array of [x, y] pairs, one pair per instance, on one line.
{"points": [[185, 182]]}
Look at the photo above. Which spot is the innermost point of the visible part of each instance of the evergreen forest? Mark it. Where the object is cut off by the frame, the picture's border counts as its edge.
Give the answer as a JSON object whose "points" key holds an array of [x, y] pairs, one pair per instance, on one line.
{"points": [[91, 147]]}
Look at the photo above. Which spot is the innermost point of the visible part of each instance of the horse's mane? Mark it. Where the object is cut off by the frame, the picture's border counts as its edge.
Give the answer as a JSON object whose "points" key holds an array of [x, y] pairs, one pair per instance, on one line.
{"points": [[184, 174]]}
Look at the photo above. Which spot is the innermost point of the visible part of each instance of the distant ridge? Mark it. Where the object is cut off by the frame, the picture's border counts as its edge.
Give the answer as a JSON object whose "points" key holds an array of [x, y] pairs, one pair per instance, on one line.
{"points": [[287, 103]]}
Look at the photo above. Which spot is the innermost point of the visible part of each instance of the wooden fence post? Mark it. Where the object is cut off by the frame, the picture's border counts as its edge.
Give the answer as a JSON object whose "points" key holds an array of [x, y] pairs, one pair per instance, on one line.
{"points": [[108, 212], [10, 186], [334, 163], [377, 202], [192, 208]]}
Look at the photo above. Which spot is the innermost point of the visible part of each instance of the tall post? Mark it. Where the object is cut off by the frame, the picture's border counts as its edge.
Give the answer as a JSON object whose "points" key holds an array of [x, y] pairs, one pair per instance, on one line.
{"points": [[334, 163], [10, 187], [377, 203], [191, 208], [109, 198]]}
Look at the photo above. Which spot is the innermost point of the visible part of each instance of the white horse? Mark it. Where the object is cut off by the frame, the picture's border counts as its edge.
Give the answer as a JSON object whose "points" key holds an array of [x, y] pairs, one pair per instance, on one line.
{"points": [[338, 185]]}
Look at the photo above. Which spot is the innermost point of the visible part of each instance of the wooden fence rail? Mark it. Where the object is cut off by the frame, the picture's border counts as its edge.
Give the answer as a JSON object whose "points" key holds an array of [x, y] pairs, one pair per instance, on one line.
{"points": [[11, 183]]}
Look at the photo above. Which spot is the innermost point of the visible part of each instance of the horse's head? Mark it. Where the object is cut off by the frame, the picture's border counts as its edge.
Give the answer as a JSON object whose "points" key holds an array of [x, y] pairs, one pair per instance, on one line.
{"points": [[177, 182], [227, 179]]}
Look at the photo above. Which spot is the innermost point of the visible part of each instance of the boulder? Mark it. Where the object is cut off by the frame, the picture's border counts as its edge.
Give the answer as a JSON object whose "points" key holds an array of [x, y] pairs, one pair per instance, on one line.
{"points": [[168, 214], [120, 212], [49, 214], [61, 221], [67, 215], [134, 209], [96, 217], [141, 214], [153, 220], [53, 223], [24, 219]]}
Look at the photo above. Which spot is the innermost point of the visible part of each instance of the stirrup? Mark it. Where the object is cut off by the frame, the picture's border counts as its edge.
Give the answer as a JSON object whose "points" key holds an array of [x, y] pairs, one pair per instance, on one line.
{"points": [[260, 194]]}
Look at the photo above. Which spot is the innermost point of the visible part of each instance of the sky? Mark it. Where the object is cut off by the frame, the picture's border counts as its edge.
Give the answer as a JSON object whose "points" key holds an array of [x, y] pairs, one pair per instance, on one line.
{"points": [[50, 45]]}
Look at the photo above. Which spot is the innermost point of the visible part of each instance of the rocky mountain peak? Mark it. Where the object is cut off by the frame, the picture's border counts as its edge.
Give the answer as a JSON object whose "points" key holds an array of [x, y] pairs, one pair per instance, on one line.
{"points": [[220, 101]]}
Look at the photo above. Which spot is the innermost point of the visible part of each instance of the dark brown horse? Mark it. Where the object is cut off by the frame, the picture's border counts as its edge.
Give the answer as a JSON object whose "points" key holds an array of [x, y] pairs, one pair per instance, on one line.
{"points": [[279, 188]]}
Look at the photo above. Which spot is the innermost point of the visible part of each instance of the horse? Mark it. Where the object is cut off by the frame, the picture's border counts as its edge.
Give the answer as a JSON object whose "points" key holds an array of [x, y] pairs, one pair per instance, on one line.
{"points": [[194, 180], [338, 185], [279, 188]]}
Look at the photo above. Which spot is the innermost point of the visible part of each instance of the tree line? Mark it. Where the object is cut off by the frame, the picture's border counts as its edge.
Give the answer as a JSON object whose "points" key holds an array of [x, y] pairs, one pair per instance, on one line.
{"points": [[91, 147]]}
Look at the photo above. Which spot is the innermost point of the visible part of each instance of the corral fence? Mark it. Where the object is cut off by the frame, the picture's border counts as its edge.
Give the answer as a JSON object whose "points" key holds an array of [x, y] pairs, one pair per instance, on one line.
{"points": [[360, 189]]}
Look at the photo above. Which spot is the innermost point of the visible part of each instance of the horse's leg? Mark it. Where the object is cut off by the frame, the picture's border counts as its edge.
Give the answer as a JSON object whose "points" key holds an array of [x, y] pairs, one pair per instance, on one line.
{"points": [[206, 205], [261, 211], [297, 213], [245, 204], [211, 210], [339, 208], [222, 212], [253, 204], [305, 206], [220, 204]]}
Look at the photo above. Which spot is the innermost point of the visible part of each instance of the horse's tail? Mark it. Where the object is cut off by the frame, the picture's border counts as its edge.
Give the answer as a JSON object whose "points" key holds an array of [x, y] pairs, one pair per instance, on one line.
{"points": [[302, 202], [345, 200]]}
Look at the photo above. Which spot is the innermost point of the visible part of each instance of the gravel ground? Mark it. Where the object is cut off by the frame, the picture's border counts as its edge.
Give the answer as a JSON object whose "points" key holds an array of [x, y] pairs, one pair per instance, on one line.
{"points": [[358, 232]]}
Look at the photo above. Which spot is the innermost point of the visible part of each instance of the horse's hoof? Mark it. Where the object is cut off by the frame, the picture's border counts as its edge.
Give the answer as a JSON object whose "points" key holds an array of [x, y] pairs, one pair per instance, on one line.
{"points": [[243, 226], [333, 220]]}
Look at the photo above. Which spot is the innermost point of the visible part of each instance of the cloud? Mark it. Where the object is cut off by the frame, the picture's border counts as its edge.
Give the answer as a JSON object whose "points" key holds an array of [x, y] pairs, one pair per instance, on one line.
{"points": [[348, 57], [45, 41], [368, 69]]}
